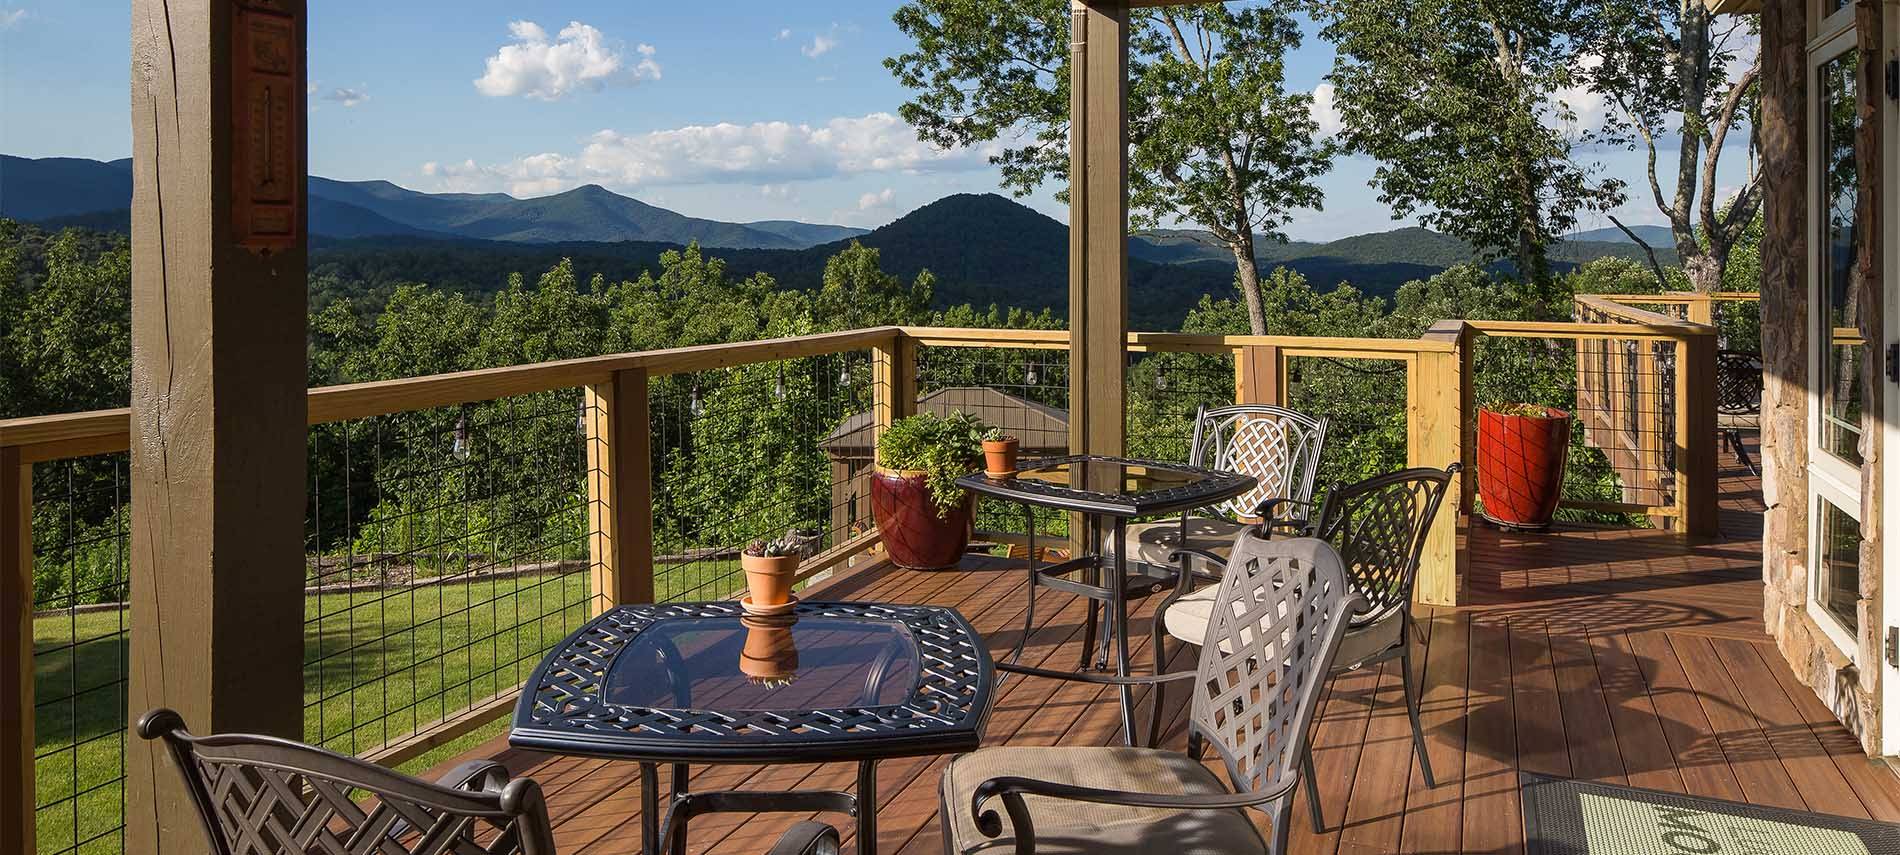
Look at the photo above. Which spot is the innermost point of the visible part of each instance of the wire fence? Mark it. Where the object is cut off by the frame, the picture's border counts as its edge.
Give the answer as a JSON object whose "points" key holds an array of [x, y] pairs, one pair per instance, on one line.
{"points": [[1364, 403], [446, 552], [754, 452], [1165, 392], [80, 580], [1621, 393], [1024, 391]]}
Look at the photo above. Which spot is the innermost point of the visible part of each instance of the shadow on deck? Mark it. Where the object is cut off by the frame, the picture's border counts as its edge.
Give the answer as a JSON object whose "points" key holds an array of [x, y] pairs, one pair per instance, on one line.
{"points": [[1614, 655]]}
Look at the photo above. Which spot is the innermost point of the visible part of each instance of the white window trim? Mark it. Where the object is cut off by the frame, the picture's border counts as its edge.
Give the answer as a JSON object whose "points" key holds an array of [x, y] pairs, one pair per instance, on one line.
{"points": [[1829, 477]]}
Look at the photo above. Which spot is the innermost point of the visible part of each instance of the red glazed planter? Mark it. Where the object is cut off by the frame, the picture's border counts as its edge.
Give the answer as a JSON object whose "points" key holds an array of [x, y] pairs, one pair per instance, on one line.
{"points": [[914, 536], [1521, 466]]}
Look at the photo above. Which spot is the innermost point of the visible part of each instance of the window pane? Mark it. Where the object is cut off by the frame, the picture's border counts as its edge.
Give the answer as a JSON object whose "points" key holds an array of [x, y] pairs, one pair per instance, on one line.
{"points": [[1841, 392], [1837, 585]]}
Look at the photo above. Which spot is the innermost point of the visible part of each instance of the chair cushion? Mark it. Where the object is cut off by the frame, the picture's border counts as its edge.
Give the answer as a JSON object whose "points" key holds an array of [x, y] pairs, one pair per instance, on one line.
{"points": [[1063, 826], [1738, 421], [1187, 619], [1153, 542]]}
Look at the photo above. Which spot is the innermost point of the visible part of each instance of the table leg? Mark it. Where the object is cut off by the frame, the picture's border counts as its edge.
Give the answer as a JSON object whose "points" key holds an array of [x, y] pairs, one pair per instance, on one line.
{"points": [[1029, 611], [1092, 576], [867, 807], [649, 809], [1118, 624], [680, 817]]}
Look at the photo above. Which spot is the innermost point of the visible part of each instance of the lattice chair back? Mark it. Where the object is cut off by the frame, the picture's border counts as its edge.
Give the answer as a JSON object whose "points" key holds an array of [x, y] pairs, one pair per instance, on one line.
{"points": [[1277, 446], [260, 795], [1278, 615], [1379, 527], [1738, 383]]}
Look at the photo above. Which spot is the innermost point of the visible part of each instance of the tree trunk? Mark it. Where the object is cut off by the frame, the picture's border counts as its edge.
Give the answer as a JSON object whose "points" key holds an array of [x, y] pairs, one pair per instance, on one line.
{"points": [[1703, 269], [1247, 272]]}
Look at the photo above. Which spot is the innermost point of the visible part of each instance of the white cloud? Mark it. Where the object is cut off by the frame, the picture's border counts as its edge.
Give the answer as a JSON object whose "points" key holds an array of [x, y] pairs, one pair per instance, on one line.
{"points": [[820, 45], [10, 18], [756, 153], [1588, 108], [1325, 110], [775, 191], [548, 69], [784, 34], [348, 97], [876, 201]]}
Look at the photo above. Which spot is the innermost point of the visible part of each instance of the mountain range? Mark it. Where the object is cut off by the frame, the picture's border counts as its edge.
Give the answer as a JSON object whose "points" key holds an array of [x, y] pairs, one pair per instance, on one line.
{"points": [[369, 236], [75, 191]]}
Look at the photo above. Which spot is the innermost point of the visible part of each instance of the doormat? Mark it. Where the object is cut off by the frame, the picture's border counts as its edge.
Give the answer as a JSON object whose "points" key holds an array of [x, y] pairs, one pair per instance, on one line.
{"points": [[1564, 817]]}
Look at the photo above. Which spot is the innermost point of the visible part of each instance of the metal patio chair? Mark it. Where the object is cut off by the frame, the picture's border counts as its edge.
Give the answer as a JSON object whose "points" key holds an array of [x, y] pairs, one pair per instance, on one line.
{"points": [[1279, 447], [260, 795], [1738, 383], [1284, 606], [1379, 526]]}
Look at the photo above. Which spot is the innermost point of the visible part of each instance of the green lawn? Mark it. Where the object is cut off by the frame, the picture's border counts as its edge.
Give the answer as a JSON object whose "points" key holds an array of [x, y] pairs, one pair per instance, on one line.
{"points": [[378, 665]]}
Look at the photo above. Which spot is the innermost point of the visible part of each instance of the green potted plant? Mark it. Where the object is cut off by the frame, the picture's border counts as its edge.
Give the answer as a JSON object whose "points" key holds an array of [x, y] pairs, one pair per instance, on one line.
{"points": [[923, 515], [999, 453]]}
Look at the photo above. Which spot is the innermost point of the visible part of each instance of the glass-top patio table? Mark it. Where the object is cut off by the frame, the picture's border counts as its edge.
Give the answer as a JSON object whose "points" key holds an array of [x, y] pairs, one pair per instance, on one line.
{"points": [[707, 683], [1107, 492]]}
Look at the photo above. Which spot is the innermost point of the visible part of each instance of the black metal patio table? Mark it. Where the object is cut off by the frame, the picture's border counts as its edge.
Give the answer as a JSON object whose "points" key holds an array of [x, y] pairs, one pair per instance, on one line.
{"points": [[707, 683], [1107, 492]]}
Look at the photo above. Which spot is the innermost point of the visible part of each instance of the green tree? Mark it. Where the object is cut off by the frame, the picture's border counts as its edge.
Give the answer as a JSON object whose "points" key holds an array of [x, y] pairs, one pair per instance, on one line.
{"points": [[1217, 140], [1453, 98], [858, 293], [1669, 67]]}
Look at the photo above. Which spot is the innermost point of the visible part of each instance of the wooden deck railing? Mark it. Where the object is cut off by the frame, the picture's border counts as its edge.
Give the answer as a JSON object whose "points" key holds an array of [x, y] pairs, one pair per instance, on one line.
{"points": [[1440, 389]]}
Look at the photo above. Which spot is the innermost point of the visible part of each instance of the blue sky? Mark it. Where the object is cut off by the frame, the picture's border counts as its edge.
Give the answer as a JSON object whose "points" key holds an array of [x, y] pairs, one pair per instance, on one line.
{"points": [[731, 110]]}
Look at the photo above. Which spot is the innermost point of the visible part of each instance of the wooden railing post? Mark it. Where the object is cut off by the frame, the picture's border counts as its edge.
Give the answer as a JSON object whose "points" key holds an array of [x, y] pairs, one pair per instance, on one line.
{"points": [[620, 490], [1257, 375], [1435, 401], [16, 660], [1697, 490], [894, 380], [1701, 309]]}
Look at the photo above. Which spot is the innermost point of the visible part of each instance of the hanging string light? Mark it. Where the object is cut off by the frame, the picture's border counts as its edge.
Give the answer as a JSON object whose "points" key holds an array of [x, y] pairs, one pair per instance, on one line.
{"points": [[1029, 377], [460, 448], [1161, 379], [844, 373], [693, 404], [778, 389]]}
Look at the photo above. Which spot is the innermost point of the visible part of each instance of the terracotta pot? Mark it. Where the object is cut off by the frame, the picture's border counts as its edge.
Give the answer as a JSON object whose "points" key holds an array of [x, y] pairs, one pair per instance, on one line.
{"points": [[1521, 466], [769, 578], [999, 457], [915, 536], [770, 653]]}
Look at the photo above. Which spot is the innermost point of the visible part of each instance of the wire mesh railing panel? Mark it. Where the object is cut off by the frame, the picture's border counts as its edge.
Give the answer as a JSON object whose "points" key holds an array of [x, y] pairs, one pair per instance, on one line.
{"points": [[1364, 403], [1165, 391], [1737, 325], [446, 552], [1621, 393], [1024, 391], [753, 452], [80, 634]]}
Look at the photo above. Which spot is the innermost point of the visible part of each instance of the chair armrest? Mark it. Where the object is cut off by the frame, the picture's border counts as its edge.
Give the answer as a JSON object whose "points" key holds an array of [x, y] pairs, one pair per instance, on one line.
{"points": [[1297, 521], [1012, 789], [807, 838], [476, 776]]}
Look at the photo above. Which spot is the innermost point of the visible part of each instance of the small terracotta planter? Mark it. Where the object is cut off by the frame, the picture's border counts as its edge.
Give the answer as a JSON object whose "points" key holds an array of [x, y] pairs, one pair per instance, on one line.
{"points": [[999, 457], [915, 536], [770, 654], [769, 577], [1521, 460]]}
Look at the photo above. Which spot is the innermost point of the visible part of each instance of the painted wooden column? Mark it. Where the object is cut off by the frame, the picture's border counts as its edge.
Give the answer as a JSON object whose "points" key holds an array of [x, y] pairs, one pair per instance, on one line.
{"points": [[1098, 226], [218, 377], [16, 653]]}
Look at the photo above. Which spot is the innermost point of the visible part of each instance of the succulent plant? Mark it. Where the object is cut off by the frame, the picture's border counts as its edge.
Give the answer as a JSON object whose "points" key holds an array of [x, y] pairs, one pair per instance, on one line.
{"points": [[997, 434], [794, 542]]}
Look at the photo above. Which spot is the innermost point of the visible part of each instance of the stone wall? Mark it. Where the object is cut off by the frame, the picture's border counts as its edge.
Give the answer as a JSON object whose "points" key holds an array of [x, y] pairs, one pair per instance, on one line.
{"points": [[1814, 659]]}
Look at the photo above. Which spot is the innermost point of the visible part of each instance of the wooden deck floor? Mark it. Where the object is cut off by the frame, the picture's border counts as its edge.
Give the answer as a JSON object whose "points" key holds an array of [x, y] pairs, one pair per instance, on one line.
{"points": [[1622, 656]]}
